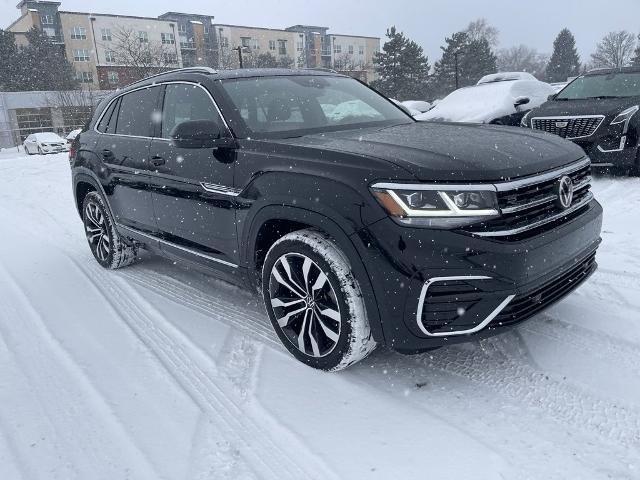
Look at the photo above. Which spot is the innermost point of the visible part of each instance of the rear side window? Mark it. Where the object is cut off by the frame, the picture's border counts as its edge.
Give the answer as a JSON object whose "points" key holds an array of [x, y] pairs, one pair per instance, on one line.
{"points": [[106, 125], [184, 102], [138, 114]]}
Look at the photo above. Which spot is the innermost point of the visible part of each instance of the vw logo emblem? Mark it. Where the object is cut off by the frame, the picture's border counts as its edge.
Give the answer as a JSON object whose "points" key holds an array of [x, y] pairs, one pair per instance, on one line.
{"points": [[562, 124], [565, 192]]}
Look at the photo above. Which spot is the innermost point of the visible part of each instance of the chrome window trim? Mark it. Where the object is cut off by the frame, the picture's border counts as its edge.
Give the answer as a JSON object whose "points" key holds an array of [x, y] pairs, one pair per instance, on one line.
{"points": [[539, 223], [179, 247], [159, 84], [570, 117], [477, 328]]}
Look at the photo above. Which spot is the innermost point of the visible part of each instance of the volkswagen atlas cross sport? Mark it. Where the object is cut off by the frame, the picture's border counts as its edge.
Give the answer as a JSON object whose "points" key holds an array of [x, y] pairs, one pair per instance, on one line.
{"points": [[599, 112], [358, 225]]}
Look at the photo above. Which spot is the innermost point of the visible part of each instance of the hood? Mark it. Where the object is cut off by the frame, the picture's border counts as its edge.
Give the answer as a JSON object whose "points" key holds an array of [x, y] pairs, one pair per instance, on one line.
{"points": [[609, 107], [452, 152]]}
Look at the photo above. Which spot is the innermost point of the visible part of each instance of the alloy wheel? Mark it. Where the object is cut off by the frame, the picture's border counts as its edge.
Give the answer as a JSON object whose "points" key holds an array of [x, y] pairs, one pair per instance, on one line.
{"points": [[97, 231], [305, 304]]}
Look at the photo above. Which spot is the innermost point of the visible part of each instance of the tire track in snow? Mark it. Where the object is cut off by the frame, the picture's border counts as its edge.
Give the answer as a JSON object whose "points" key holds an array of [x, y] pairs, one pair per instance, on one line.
{"points": [[65, 410], [266, 456], [493, 364]]}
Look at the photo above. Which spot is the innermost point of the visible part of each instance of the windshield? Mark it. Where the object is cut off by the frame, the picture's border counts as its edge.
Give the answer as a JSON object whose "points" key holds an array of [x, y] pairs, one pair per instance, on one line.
{"points": [[613, 85], [48, 137], [291, 106]]}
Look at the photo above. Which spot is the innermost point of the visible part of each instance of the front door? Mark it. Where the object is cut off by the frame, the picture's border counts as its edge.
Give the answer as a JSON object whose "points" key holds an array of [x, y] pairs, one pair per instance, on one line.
{"points": [[127, 127], [193, 195]]}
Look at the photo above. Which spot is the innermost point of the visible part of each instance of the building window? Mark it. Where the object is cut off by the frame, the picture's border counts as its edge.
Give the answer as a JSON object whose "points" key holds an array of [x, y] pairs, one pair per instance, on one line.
{"points": [[337, 48], [49, 32], [46, 19], [206, 29], [361, 50], [113, 78], [282, 47], [170, 58], [33, 120], [350, 49], [299, 45], [106, 34], [143, 37], [84, 77], [81, 55], [168, 38], [255, 44], [79, 33], [272, 44], [182, 28], [246, 42], [110, 56]]}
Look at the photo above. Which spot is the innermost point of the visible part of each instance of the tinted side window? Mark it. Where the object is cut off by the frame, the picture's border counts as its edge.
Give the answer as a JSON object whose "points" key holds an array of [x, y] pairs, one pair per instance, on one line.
{"points": [[184, 102], [138, 113], [104, 121]]}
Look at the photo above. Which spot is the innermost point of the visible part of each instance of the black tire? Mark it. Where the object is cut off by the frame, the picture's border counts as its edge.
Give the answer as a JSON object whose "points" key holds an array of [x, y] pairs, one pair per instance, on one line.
{"points": [[109, 249], [326, 316]]}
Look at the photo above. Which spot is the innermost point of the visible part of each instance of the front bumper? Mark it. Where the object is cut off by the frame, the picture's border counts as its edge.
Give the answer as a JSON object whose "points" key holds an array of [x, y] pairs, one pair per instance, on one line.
{"points": [[438, 287], [615, 151]]}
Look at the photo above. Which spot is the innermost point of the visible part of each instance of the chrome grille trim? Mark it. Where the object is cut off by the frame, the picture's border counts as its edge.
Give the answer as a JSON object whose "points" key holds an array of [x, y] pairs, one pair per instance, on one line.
{"points": [[515, 231], [525, 182], [550, 198], [544, 124]]}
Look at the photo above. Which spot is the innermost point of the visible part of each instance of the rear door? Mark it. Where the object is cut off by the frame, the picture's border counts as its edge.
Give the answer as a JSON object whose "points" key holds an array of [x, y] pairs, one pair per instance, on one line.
{"points": [[194, 195], [127, 127]]}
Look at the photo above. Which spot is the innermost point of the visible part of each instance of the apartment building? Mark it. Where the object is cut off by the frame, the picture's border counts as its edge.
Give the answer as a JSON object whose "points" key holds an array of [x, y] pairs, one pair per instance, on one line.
{"points": [[93, 43], [97, 44]]}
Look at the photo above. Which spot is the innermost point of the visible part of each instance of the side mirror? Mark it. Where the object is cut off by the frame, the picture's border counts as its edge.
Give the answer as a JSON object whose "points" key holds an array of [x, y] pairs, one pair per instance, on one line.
{"points": [[552, 97], [199, 134], [521, 101]]}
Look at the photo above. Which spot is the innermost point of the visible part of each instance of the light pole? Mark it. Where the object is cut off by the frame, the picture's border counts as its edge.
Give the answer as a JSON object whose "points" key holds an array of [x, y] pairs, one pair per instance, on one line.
{"points": [[240, 50]]}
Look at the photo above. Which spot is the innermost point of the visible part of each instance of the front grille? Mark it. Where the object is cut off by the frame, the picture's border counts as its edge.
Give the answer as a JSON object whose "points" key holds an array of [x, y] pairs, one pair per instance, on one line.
{"points": [[527, 304], [570, 128], [446, 302], [529, 207]]}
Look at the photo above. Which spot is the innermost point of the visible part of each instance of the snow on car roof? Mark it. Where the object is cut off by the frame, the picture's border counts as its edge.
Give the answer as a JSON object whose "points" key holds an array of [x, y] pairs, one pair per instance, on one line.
{"points": [[486, 102], [505, 77], [48, 137]]}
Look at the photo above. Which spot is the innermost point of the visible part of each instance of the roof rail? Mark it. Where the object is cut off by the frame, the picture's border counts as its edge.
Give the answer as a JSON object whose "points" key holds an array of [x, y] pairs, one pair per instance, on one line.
{"points": [[184, 69], [321, 69]]}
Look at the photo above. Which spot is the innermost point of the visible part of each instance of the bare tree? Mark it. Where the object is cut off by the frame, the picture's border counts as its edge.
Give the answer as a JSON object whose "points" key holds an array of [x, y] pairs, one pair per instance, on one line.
{"points": [[522, 58], [480, 29], [142, 56], [614, 50]]}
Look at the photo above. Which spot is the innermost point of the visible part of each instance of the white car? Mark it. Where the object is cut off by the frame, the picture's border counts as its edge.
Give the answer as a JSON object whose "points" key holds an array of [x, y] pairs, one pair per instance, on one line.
{"points": [[417, 105], [45, 142], [501, 99]]}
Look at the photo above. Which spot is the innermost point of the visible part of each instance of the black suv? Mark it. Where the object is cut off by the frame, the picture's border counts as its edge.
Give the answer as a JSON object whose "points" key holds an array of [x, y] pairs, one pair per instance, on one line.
{"points": [[599, 112], [359, 225]]}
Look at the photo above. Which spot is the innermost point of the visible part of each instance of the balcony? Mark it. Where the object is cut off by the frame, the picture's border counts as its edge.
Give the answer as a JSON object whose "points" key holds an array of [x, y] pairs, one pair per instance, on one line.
{"points": [[187, 45]]}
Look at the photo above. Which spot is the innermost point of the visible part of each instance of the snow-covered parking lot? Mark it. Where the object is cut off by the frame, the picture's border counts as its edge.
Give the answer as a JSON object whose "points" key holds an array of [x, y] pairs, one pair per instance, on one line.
{"points": [[156, 372]]}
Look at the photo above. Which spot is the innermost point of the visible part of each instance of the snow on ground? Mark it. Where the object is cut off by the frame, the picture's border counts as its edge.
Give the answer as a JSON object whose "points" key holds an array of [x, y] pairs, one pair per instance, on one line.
{"points": [[157, 372]]}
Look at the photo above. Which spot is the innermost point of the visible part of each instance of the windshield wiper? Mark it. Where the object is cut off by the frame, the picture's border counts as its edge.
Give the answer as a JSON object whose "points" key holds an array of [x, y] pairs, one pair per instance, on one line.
{"points": [[602, 97]]}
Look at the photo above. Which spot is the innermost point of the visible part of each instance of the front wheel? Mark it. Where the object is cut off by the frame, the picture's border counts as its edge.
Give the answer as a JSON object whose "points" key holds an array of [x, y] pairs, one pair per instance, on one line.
{"points": [[314, 302], [108, 247]]}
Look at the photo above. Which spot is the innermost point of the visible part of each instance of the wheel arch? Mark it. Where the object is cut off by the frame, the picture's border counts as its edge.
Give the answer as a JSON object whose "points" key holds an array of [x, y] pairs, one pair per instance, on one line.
{"points": [[275, 221], [84, 182]]}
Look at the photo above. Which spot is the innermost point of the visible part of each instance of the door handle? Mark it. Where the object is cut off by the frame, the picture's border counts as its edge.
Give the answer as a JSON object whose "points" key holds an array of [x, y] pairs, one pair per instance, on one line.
{"points": [[157, 161]]}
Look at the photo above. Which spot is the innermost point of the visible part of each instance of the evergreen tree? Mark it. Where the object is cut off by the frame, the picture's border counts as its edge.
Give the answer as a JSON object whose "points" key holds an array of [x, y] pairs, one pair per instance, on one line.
{"points": [[564, 61], [43, 65], [9, 61], [635, 61], [474, 59], [402, 68]]}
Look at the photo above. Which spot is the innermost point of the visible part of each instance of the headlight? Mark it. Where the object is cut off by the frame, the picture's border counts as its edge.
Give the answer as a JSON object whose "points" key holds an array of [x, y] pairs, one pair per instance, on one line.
{"points": [[625, 115], [525, 120], [437, 206]]}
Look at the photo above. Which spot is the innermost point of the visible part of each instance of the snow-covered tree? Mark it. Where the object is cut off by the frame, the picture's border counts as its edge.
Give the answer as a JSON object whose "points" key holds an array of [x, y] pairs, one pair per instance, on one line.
{"points": [[479, 29], [615, 50], [564, 61], [522, 58], [635, 61], [474, 59], [402, 68], [9, 73]]}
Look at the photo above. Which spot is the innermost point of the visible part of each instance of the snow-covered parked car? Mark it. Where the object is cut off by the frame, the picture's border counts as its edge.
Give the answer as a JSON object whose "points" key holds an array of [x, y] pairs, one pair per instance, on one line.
{"points": [[418, 105], [501, 99], [45, 142]]}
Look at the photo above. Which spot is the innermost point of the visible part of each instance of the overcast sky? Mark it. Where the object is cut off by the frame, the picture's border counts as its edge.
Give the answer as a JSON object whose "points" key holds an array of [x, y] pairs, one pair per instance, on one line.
{"points": [[532, 22]]}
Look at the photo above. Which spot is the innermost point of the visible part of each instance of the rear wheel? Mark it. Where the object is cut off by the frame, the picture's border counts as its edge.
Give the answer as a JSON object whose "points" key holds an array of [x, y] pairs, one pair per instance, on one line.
{"points": [[314, 302], [109, 249]]}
